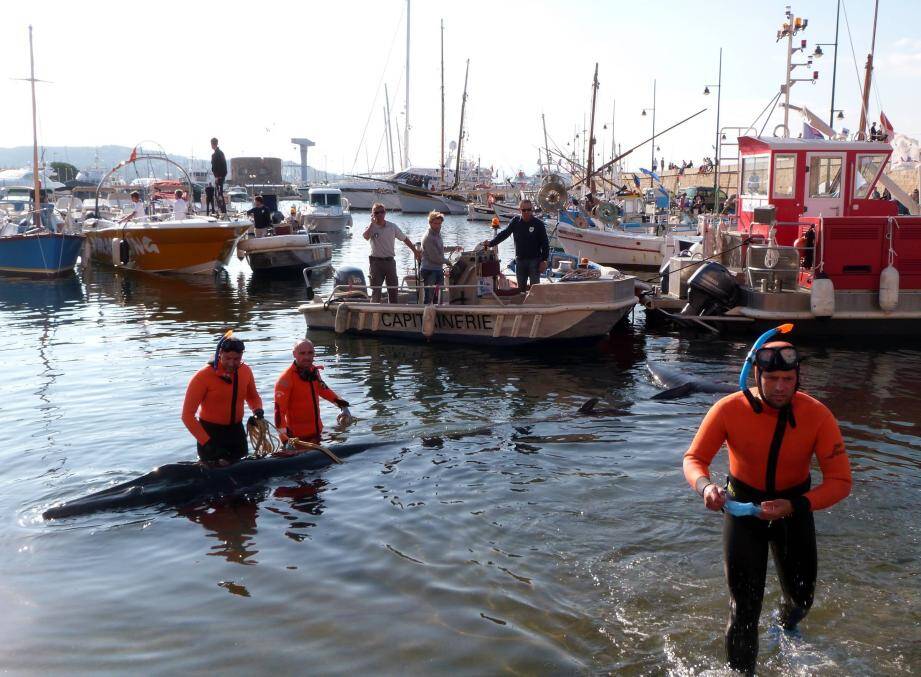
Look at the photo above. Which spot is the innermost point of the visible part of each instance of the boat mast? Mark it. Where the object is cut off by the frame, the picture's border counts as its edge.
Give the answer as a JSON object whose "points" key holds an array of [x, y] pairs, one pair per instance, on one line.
{"points": [[406, 121], [442, 102], [546, 145], [460, 136], [389, 128], [868, 76], [591, 134], [37, 183]]}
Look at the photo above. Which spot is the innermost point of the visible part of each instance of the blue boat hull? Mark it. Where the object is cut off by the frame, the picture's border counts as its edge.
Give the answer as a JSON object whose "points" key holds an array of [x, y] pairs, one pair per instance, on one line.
{"points": [[43, 254]]}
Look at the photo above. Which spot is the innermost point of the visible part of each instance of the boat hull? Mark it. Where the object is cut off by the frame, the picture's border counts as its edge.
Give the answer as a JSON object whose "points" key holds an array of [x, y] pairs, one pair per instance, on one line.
{"points": [[190, 246], [285, 253], [39, 255], [611, 248], [323, 223]]}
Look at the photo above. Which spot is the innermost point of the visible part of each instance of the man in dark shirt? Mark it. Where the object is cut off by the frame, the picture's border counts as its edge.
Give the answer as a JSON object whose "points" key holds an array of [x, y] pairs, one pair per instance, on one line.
{"points": [[209, 200], [219, 169], [532, 247], [262, 216]]}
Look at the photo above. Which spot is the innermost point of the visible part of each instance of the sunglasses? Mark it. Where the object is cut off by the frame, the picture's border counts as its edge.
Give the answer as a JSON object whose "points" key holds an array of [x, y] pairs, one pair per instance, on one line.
{"points": [[380, 211], [777, 359]]}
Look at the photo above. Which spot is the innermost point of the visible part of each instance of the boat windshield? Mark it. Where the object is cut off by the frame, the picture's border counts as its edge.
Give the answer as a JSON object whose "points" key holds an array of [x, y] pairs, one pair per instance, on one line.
{"points": [[325, 199], [868, 167]]}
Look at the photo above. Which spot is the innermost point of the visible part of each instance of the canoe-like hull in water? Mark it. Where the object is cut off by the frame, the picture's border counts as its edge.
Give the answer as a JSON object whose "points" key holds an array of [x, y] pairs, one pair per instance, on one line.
{"points": [[39, 254]]}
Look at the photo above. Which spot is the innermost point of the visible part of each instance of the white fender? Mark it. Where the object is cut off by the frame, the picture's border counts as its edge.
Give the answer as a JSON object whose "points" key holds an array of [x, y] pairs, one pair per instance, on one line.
{"points": [[889, 289], [428, 320], [342, 318], [822, 299]]}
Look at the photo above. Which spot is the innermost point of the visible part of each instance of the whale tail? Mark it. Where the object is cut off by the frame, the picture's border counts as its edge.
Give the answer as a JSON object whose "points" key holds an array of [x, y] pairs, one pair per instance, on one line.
{"points": [[589, 406]]}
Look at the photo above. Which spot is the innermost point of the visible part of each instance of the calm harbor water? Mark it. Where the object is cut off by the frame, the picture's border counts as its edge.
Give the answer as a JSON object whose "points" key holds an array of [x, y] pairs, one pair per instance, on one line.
{"points": [[546, 543]]}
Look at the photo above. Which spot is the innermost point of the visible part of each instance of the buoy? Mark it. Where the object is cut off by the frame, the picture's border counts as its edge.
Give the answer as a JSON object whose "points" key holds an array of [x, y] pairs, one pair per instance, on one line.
{"points": [[428, 321], [822, 299], [342, 318], [121, 252], [889, 289]]}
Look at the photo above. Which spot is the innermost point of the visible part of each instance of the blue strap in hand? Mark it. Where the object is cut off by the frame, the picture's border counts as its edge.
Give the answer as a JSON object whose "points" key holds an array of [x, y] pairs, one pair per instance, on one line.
{"points": [[742, 509]]}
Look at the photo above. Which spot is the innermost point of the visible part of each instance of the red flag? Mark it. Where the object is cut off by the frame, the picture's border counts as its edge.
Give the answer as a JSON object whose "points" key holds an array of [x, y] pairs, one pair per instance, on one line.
{"points": [[134, 154], [884, 121]]}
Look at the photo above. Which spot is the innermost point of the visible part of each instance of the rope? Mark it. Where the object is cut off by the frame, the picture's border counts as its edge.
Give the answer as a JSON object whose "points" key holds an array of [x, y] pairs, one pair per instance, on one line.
{"points": [[889, 236], [264, 441]]}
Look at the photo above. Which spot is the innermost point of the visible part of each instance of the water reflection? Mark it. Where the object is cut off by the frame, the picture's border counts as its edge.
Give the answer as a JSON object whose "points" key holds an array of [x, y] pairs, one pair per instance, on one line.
{"points": [[232, 522], [44, 296]]}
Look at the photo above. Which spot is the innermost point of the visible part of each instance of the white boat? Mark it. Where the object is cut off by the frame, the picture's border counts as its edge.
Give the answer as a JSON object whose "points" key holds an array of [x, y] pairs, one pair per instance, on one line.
{"points": [[286, 252], [326, 211], [235, 194], [480, 212], [474, 308], [616, 246], [362, 193]]}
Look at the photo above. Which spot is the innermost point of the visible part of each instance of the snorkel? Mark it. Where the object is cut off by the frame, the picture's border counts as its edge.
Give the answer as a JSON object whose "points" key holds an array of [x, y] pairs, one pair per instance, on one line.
{"points": [[750, 362], [217, 349]]}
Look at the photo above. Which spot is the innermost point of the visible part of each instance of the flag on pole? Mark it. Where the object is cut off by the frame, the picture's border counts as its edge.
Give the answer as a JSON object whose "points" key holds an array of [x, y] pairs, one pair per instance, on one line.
{"points": [[884, 121], [810, 132], [134, 154]]}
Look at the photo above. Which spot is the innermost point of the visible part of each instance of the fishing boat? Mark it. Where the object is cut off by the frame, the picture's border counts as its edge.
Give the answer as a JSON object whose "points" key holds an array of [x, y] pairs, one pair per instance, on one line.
{"points": [[286, 253], [157, 243], [180, 483], [326, 211], [38, 245], [810, 243], [476, 306]]}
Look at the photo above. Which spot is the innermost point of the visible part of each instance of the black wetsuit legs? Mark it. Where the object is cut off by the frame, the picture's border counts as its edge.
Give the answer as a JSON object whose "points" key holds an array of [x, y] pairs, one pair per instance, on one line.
{"points": [[229, 440], [745, 546]]}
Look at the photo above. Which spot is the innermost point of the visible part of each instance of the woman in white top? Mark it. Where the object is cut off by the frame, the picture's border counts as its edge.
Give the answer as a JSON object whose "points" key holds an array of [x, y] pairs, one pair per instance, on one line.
{"points": [[180, 207]]}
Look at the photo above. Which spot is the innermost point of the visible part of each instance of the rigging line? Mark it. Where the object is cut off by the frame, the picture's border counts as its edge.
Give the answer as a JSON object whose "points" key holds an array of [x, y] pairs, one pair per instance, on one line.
{"points": [[769, 103], [847, 25], [377, 91], [767, 119]]}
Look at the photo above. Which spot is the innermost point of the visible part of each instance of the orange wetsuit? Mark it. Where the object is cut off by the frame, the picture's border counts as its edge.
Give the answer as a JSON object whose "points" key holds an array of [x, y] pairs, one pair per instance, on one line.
{"points": [[297, 403], [217, 396], [749, 437], [770, 454]]}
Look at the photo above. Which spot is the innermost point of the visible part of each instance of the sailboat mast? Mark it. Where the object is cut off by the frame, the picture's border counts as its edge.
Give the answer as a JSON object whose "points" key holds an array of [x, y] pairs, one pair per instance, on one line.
{"points": [[868, 77], [591, 133], [406, 121], [460, 136], [546, 145], [389, 127], [37, 183], [442, 102]]}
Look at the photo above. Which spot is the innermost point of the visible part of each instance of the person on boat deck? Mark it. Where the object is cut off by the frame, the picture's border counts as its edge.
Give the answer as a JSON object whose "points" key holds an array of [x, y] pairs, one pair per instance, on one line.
{"points": [[262, 216], [209, 200], [433, 256], [772, 432], [137, 209], [382, 234], [297, 398], [180, 206], [532, 247], [219, 169], [213, 407]]}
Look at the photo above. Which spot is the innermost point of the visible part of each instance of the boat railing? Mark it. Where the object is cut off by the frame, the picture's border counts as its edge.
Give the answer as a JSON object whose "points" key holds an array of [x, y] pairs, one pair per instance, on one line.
{"points": [[412, 287]]}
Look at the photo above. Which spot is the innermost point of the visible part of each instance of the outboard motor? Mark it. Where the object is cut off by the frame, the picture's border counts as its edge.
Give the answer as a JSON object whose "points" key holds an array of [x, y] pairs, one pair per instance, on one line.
{"points": [[349, 283], [712, 290]]}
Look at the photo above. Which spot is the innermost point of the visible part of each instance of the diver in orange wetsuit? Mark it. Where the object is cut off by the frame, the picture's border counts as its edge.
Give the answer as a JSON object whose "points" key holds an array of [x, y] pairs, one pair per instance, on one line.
{"points": [[772, 432], [216, 393], [297, 398]]}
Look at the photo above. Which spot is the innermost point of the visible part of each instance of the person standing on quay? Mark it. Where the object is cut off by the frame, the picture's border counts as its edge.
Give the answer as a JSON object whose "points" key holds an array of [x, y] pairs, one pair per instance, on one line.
{"points": [[772, 432], [382, 266], [219, 169]]}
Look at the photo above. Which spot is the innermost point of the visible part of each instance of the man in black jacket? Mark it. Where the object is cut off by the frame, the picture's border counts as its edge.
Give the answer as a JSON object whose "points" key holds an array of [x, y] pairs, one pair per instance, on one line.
{"points": [[532, 247], [219, 169]]}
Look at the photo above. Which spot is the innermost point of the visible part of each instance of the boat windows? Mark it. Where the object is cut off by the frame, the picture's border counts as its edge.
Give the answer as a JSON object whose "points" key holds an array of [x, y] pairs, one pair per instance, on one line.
{"points": [[325, 199], [825, 176], [868, 168], [784, 175], [754, 175]]}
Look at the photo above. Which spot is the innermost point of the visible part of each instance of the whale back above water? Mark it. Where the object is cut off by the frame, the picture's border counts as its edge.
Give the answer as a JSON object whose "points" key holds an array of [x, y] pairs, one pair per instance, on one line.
{"points": [[679, 384]]}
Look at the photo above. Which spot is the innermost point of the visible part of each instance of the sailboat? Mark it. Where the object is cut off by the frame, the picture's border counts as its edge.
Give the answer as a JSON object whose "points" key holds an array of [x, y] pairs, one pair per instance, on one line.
{"points": [[36, 246]]}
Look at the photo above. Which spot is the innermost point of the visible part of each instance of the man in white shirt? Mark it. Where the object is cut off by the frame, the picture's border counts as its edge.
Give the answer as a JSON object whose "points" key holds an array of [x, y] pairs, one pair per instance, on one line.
{"points": [[137, 209], [382, 235], [180, 207]]}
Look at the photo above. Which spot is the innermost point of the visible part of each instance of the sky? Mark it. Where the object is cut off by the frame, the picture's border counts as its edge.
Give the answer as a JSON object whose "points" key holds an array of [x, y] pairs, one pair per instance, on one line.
{"points": [[257, 74]]}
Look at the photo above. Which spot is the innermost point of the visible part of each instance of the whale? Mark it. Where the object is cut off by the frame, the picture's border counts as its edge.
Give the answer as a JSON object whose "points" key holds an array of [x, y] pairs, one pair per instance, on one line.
{"points": [[678, 384]]}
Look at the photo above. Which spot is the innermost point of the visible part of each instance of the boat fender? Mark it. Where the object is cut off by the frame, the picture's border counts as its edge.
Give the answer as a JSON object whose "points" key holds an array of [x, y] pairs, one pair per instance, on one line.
{"points": [[889, 289], [120, 252], [428, 321], [822, 298], [124, 252], [342, 318]]}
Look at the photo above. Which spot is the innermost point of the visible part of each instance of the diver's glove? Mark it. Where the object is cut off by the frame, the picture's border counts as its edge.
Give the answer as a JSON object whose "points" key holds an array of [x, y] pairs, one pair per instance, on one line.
{"points": [[259, 413], [742, 509]]}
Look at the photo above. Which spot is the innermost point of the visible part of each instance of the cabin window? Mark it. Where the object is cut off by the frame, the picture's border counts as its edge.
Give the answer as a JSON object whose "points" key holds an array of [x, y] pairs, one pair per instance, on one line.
{"points": [[318, 200], [868, 167], [755, 175], [825, 176], [784, 175]]}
